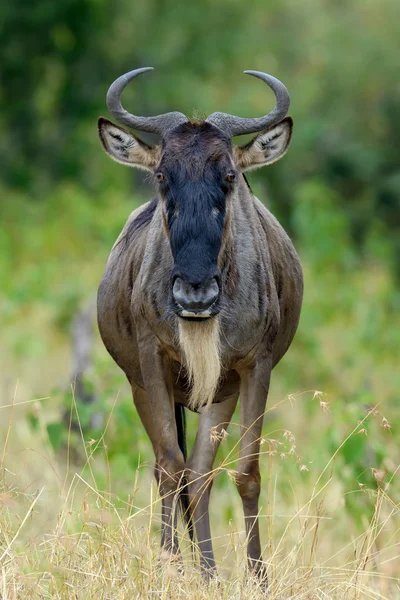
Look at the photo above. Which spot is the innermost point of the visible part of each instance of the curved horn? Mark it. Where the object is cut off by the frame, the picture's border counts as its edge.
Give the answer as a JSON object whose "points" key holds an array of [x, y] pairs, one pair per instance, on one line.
{"points": [[240, 125], [159, 124]]}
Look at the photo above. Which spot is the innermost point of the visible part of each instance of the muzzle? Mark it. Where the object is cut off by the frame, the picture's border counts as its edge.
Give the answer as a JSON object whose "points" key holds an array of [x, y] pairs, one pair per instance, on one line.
{"points": [[196, 300]]}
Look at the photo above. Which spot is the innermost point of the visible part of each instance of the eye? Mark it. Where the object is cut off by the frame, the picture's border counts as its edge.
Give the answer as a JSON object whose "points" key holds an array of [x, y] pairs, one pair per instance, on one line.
{"points": [[160, 177], [230, 177]]}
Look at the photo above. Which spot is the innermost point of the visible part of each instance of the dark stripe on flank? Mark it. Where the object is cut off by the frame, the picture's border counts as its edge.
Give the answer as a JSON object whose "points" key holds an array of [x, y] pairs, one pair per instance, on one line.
{"points": [[128, 326], [260, 288], [130, 281]]}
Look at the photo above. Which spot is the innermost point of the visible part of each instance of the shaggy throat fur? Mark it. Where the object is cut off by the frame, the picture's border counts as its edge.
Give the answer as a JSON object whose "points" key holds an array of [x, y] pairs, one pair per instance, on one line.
{"points": [[200, 345]]}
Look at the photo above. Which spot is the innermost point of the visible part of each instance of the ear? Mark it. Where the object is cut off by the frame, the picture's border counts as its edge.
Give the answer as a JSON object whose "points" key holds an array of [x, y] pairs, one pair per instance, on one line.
{"points": [[126, 148], [266, 148]]}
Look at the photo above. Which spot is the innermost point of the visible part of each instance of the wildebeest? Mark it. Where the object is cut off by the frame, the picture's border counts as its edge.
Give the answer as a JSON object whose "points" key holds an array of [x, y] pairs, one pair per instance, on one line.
{"points": [[200, 298]]}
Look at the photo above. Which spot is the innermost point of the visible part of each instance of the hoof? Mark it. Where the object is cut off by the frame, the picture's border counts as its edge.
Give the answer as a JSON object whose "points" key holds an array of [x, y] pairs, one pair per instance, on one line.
{"points": [[209, 574], [171, 563], [260, 577]]}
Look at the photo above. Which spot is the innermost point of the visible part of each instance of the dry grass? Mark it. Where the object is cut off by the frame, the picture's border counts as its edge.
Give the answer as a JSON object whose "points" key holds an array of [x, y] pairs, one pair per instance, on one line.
{"points": [[64, 538]]}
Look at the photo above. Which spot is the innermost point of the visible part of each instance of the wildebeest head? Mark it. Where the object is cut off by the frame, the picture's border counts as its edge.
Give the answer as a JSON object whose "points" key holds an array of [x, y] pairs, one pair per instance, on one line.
{"points": [[197, 170]]}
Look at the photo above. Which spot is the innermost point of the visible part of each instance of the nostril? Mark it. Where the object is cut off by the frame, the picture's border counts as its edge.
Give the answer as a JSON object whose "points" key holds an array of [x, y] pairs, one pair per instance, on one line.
{"points": [[177, 286], [178, 291], [214, 287], [211, 292]]}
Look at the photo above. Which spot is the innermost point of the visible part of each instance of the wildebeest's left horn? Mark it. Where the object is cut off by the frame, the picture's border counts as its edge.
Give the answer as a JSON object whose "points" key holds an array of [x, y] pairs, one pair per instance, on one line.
{"points": [[158, 124], [240, 125]]}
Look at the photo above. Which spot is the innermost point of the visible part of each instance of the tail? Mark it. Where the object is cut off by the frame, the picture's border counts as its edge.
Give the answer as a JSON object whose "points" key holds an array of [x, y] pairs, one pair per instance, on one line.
{"points": [[180, 420]]}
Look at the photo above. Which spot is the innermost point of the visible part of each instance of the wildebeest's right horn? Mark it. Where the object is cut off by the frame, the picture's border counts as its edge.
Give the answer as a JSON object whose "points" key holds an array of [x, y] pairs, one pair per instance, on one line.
{"points": [[159, 124], [240, 125]]}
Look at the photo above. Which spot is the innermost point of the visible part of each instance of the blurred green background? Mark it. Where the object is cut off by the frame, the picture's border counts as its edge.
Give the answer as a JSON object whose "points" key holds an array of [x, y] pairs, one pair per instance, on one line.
{"points": [[337, 192]]}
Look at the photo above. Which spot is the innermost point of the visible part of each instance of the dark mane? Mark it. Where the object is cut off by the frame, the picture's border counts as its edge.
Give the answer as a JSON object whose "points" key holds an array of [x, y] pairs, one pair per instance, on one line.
{"points": [[143, 219], [247, 182]]}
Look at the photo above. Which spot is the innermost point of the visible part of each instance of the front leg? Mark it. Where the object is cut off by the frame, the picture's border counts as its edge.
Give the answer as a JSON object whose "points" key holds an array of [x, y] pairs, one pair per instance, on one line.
{"points": [[253, 396], [212, 420], [161, 429], [155, 407]]}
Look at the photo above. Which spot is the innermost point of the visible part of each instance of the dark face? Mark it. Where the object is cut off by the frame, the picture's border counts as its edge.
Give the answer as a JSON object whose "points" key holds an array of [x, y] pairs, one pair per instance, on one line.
{"points": [[196, 178]]}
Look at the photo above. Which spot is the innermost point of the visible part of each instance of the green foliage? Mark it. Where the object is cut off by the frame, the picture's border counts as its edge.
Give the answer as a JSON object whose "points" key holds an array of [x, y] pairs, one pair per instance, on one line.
{"points": [[63, 203], [339, 62], [57, 434]]}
